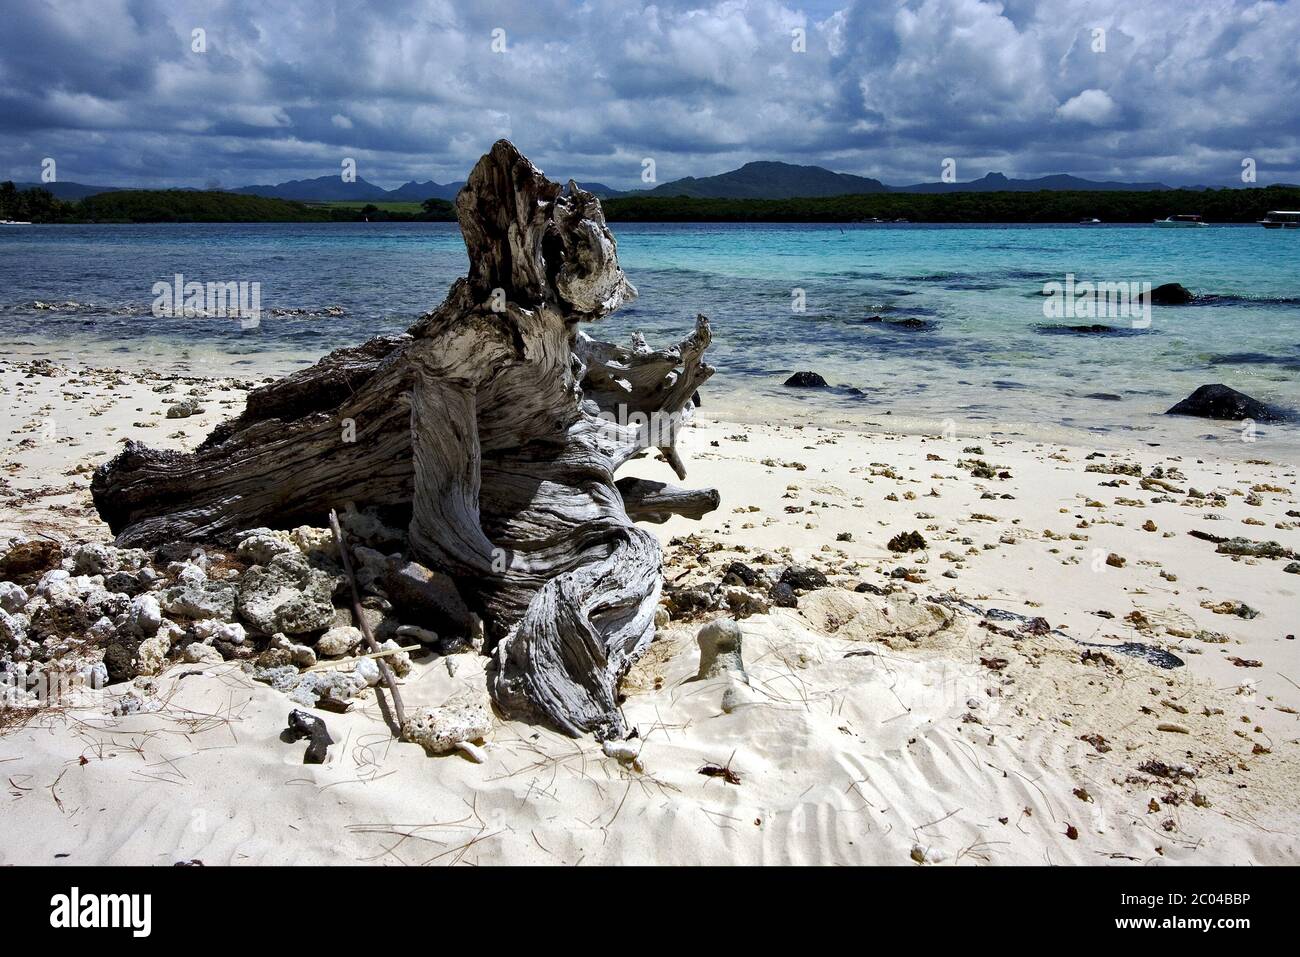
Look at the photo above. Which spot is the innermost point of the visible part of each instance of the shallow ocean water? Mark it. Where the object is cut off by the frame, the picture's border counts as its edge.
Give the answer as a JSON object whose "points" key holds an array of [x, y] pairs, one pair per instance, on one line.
{"points": [[978, 357]]}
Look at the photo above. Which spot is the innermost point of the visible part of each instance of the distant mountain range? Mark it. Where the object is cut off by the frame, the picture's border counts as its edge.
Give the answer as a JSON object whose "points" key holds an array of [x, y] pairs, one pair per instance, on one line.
{"points": [[329, 189], [69, 191], [414, 192], [760, 180], [785, 181], [767, 180], [997, 183]]}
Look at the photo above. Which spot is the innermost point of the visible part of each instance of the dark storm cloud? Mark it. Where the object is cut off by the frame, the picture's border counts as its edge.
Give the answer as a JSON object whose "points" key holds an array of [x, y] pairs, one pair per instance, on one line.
{"points": [[413, 90]]}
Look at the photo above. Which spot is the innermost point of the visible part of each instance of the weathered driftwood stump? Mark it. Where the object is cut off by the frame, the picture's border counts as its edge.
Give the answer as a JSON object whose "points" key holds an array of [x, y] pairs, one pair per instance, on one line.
{"points": [[496, 427]]}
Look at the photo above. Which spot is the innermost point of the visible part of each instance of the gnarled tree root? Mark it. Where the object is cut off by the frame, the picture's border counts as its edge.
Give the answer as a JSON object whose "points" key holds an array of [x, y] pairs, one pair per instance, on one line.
{"points": [[495, 428]]}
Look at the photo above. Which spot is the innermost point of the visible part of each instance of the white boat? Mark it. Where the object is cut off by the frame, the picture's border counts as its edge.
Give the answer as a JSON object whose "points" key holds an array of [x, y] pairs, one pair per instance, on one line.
{"points": [[1281, 219], [1182, 220], [1089, 222], [12, 222]]}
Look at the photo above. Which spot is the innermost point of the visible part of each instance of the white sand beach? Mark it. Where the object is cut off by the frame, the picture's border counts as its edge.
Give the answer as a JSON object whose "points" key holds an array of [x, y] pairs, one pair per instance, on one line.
{"points": [[878, 726]]}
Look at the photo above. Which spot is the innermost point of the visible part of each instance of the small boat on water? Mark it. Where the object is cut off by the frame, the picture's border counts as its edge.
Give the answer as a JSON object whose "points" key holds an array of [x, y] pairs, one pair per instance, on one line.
{"points": [[12, 222], [1281, 219], [1089, 222], [1182, 220]]}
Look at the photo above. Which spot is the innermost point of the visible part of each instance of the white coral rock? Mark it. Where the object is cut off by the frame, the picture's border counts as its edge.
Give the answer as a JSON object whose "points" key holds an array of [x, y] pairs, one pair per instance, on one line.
{"points": [[152, 653], [210, 629], [368, 670], [197, 652], [13, 628], [304, 656], [12, 597], [399, 661], [144, 615], [260, 547], [466, 716], [309, 539], [338, 641], [622, 750]]}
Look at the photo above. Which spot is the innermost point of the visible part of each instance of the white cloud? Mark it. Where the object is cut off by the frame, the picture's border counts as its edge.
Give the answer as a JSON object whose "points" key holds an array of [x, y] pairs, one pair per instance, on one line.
{"points": [[885, 89], [1094, 107]]}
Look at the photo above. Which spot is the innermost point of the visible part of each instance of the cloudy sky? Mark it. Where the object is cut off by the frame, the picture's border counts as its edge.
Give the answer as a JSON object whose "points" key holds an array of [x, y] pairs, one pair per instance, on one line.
{"points": [[115, 92]]}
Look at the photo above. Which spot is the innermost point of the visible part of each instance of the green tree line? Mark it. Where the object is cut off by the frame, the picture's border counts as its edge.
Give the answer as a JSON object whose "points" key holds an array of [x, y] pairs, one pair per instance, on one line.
{"points": [[190, 206], [1043, 206], [29, 205]]}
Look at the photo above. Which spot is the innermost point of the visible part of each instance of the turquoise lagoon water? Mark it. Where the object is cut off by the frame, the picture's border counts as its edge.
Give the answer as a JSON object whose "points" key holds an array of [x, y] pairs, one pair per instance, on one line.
{"points": [[981, 357]]}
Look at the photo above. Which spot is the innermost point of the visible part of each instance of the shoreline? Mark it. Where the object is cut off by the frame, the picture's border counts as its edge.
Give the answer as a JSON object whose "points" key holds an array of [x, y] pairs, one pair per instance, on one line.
{"points": [[751, 402]]}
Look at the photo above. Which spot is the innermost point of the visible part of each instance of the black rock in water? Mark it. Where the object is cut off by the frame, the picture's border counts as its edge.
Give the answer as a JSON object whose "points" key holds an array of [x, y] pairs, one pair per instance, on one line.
{"points": [[1218, 401], [806, 380], [1171, 294], [1090, 329]]}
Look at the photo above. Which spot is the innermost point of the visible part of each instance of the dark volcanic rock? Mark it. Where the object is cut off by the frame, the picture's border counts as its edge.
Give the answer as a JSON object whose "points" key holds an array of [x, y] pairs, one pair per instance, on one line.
{"points": [[907, 542], [806, 380], [803, 578], [738, 573], [686, 601], [128, 583], [783, 596], [1220, 402], [178, 551], [1171, 294], [304, 725], [120, 660], [427, 596], [230, 651]]}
